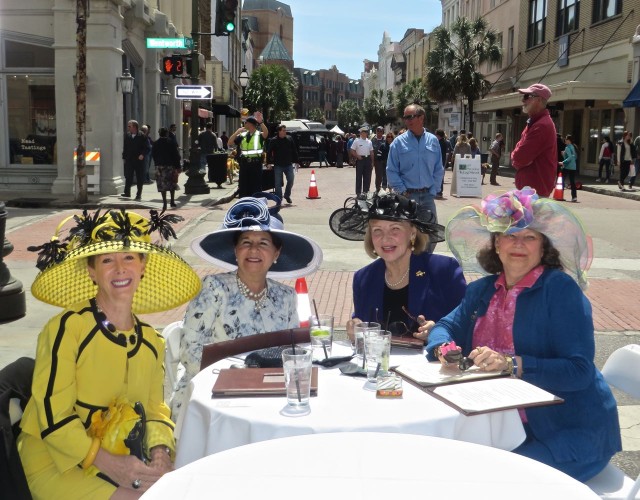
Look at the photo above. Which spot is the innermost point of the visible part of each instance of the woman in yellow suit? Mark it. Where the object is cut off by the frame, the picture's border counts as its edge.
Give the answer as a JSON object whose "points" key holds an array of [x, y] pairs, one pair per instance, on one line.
{"points": [[96, 425]]}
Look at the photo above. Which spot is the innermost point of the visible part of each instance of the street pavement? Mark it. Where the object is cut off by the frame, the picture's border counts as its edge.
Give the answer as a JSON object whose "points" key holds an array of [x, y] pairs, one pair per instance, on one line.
{"points": [[610, 215]]}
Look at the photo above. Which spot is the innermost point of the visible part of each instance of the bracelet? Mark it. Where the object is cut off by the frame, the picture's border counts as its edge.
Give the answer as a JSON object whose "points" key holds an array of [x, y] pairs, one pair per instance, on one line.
{"points": [[514, 362], [91, 456]]}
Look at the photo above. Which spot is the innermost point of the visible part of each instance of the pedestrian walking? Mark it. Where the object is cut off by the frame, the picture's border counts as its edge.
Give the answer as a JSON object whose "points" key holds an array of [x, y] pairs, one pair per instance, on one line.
{"points": [[626, 156], [284, 154], [167, 160], [604, 160], [134, 149], [496, 150], [569, 165]]}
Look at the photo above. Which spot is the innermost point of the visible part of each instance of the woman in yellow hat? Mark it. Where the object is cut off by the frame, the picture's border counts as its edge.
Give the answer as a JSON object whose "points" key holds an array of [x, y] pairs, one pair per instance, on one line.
{"points": [[96, 425]]}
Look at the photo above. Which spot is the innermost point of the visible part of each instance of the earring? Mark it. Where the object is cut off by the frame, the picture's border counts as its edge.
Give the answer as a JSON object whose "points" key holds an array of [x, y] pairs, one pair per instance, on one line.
{"points": [[94, 282], [413, 240], [141, 276], [275, 261], [374, 252]]}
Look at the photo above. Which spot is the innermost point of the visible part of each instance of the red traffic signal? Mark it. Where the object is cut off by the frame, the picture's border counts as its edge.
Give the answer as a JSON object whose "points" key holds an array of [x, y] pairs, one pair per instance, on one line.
{"points": [[173, 65]]}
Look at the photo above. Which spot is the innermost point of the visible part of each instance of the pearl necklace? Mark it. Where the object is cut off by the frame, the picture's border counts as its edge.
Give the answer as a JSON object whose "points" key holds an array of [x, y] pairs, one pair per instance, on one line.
{"points": [[260, 298], [393, 285]]}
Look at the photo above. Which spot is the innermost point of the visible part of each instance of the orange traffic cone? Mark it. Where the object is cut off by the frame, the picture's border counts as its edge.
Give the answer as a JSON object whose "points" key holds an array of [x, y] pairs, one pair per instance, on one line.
{"points": [[558, 192], [304, 306], [313, 187]]}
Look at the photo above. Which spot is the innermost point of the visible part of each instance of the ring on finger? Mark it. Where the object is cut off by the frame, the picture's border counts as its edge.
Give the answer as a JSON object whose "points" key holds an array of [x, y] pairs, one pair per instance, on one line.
{"points": [[136, 484], [484, 364], [479, 349]]}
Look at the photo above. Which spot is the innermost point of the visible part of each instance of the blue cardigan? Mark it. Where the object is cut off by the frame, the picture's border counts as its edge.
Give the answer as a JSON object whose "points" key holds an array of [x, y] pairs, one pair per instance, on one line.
{"points": [[436, 287], [553, 333]]}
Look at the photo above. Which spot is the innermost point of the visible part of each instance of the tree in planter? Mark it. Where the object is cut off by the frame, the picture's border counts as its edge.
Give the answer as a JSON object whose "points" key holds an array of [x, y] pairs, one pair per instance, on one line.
{"points": [[453, 64], [348, 114], [316, 115], [271, 90]]}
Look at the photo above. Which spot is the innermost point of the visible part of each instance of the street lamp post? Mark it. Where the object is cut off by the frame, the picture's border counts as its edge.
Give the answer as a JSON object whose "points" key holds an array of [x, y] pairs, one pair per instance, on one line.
{"points": [[243, 78], [196, 183]]}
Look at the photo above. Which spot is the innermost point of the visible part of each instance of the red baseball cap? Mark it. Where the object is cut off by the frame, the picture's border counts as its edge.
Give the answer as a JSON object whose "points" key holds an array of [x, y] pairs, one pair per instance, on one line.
{"points": [[537, 89]]}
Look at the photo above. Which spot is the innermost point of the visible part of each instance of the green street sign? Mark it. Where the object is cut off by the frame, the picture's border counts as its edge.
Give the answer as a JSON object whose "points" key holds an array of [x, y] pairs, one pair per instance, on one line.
{"points": [[188, 42], [168, 43]]}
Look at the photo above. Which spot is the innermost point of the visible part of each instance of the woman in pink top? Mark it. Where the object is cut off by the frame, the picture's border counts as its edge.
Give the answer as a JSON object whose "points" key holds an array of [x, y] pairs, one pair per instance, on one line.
{"points": [[531, 319]]}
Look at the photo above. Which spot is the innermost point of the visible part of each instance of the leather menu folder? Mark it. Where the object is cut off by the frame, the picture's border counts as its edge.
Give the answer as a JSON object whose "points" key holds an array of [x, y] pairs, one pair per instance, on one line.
{"points": [[248, 382]]}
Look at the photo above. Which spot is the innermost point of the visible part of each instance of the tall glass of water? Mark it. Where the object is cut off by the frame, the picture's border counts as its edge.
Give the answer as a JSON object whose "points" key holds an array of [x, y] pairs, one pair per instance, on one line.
{"points": [[359, 333]]}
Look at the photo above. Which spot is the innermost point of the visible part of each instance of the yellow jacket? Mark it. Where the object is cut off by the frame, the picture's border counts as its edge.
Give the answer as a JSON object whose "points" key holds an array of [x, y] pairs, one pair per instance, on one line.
{"points": [[82, 368]]}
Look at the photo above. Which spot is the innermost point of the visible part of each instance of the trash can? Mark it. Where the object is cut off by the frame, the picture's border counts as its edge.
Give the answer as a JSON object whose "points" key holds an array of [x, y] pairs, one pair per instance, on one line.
{"points": [[217, 163], [268, 179]]}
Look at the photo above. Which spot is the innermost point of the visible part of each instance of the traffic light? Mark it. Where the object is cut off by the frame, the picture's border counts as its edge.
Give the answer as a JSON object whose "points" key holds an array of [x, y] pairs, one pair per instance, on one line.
{"points": [[173, 65], [226, 16]]}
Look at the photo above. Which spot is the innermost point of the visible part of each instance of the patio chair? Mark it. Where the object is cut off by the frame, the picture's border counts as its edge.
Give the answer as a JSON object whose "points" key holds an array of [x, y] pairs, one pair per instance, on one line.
{"points": [[172, 368], [213, 353], [15, 391], [622, 371]]}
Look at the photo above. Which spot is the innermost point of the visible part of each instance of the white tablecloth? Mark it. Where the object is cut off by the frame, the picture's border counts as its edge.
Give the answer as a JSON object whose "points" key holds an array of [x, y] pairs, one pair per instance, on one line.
{"points": [[368, 466], [343, 404]]}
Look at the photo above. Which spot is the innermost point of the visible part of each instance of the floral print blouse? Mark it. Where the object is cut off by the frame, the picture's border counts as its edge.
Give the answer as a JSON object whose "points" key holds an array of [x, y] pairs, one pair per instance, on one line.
{"points": [[220, 312]]}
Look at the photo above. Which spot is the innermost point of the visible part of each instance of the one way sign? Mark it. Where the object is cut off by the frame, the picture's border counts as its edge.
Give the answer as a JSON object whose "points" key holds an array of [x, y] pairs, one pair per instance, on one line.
{"points": [[194, 91]]}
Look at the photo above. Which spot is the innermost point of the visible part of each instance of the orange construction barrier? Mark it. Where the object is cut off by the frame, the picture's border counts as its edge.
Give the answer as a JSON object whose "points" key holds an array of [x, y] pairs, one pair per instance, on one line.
{"points": [[313, 187], [304, 306], [558, 192]]}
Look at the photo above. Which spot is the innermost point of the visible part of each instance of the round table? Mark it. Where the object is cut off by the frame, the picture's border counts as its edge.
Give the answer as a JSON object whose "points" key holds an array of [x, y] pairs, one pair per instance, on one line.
{"points": [[368, 466], [209, 425]]}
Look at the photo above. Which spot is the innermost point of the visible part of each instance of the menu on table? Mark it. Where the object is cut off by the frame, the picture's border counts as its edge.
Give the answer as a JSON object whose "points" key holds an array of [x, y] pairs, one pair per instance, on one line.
{"points": [[474, 391]]}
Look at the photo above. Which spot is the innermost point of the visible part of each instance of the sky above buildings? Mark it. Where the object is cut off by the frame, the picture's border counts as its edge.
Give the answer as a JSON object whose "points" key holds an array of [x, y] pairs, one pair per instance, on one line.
{"points": [[328, 32]]}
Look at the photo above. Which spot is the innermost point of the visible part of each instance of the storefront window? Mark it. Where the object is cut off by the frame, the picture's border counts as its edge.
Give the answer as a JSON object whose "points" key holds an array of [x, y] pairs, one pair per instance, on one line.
{"points": [[32, 119]]}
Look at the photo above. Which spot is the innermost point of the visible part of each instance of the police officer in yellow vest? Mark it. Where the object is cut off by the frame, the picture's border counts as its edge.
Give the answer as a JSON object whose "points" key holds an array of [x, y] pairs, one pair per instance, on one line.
{"points": [[251, 143]]}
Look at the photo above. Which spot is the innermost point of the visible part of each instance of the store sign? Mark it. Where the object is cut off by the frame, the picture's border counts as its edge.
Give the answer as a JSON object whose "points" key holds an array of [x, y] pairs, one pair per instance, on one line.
{"points": [[168, 43]]}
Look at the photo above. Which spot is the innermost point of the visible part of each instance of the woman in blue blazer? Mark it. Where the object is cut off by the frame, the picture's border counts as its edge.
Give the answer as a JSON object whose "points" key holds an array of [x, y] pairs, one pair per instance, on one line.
{"points": [[532, 319], [404, 282]]}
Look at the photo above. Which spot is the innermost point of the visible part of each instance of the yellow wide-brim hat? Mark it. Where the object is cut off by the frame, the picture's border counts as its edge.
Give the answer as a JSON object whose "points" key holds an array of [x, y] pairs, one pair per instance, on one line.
{"points": [[168, 280]]}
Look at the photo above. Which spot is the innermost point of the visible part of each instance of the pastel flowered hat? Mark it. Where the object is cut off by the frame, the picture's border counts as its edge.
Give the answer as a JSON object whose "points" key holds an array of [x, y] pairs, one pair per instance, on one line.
{"points": [[64, 280], [299, 256], [470, 229]]}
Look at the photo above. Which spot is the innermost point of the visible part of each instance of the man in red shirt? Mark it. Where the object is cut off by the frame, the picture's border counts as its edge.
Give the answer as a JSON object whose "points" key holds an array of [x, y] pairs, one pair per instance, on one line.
{"points": [[535, 155]]}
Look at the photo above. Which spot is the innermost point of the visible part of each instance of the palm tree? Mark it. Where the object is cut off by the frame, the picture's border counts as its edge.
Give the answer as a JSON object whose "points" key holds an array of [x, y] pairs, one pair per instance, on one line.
{"points": [[452, 66], [375, 110], [271, 89]]}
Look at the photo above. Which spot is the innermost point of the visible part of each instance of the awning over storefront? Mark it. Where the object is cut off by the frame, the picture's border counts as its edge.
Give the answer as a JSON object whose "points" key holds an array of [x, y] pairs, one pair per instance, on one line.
{"points": [[561, 92], [633, 99], [226, 110], [202, 113]]}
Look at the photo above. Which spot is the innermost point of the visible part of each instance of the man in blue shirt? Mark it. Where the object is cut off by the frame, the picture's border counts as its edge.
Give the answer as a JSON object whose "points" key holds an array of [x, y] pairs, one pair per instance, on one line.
{"points": [[414, 165]]}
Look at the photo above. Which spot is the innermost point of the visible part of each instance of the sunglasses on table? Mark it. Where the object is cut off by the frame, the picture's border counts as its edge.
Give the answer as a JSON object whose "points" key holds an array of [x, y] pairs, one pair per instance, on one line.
{"points": [[527, 96], [410, 117]]}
